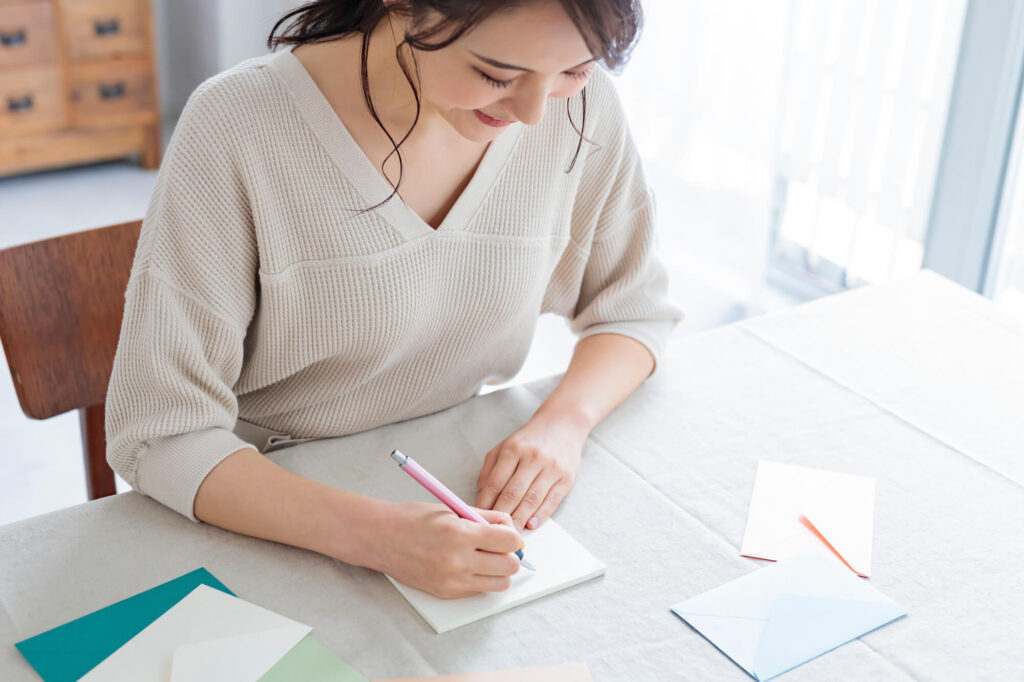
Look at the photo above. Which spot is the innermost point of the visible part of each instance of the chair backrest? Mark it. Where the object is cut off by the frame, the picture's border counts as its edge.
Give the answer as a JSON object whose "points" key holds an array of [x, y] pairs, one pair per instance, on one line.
{"points": [[61, 302]]}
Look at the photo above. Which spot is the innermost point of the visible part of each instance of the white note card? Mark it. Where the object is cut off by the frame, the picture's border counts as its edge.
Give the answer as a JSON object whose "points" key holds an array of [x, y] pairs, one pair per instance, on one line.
{"points": [[209, 635], [561, 562]]}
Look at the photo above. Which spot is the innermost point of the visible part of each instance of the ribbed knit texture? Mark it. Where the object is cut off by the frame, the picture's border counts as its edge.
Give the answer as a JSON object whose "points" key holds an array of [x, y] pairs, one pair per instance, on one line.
{"points": [[260, 289]]}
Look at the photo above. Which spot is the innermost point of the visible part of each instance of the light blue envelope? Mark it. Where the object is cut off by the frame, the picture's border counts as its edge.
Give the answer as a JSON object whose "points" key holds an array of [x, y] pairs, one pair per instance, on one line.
{"points": [[785, 614]]}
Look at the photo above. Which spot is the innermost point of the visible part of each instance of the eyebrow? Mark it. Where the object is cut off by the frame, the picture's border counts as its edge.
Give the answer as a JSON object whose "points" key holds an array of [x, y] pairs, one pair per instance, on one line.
{"points": [[503, 65]]}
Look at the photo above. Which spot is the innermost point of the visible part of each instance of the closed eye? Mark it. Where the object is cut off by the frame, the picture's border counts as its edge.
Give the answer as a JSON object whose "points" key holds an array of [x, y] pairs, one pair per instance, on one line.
{"points": [[494, 81], [578, 75], [498, 83]]}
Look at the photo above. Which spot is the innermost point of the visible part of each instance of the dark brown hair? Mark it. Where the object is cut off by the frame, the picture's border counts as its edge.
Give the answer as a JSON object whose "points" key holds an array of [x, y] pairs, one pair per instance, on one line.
{"points": [[610, 29]]}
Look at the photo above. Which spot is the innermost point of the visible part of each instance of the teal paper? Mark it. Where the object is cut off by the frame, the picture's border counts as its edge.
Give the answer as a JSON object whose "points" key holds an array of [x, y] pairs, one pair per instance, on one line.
{"points": [[70, 651]]}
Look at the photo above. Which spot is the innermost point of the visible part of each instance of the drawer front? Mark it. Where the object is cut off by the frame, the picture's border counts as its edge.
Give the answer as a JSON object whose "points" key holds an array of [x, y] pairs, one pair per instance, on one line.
{"points": [[27, 34], [106, 28], [31, 100], [106, 94]]}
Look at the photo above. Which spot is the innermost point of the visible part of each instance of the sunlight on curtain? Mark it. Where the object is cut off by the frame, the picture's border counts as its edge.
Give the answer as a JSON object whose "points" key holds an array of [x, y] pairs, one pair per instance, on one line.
{"points": [[864, 103], [792, 135], [702, 97], [1007, 286]]}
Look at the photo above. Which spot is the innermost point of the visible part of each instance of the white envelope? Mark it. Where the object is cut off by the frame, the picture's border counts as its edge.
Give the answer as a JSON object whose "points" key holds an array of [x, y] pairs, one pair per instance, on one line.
{"points": [[794, 507], [209, 635], [783, 615], [561, 562]]}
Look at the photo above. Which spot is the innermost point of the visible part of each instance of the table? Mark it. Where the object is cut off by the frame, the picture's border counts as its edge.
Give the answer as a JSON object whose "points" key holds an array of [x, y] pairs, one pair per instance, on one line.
{"points": [[918, 383]]}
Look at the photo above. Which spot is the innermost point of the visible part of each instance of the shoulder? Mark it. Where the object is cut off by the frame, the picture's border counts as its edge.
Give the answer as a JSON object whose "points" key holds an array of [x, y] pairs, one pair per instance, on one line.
{"points": [[232, 96], [602, 94], [606, 117], [604, 113], [596, 111]]}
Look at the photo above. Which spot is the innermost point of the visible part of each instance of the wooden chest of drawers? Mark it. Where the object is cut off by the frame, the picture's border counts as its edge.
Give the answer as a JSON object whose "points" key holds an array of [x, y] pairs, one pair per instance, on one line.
{"points": [[77, 83]]}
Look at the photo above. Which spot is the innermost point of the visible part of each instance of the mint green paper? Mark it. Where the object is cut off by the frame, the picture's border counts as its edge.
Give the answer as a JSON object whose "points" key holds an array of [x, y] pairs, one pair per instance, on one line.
{"points": [[311, 661], [68, 652]]}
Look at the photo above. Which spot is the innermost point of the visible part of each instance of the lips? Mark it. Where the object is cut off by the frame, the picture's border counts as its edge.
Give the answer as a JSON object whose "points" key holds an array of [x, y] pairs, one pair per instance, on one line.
{"points": [[491, 121]]}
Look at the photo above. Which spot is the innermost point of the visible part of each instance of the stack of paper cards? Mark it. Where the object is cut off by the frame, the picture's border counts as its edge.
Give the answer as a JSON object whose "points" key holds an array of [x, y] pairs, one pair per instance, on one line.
{"points": [[794, 507], [570, 672], [207, 636], [783, 615], [190, 628], [561, 562]]}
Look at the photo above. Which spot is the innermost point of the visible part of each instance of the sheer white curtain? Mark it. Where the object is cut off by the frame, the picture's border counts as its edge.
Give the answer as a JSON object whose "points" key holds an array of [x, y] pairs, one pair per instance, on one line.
{"points": [[703, 94], [864, 109], [1006, 283]]}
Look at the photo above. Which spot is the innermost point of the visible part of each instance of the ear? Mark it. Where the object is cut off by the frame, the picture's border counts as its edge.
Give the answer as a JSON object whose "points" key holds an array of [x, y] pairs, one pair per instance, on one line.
{"points": [[401, 8]]}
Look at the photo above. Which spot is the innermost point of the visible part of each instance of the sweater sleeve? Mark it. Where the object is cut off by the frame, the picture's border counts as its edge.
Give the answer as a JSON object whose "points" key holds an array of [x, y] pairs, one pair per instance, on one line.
{"points": [[170, 406], [624, 285]]}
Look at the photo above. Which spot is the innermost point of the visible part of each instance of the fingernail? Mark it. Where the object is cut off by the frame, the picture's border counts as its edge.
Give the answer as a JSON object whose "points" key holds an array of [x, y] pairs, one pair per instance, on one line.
{"points": [[534, 522]]}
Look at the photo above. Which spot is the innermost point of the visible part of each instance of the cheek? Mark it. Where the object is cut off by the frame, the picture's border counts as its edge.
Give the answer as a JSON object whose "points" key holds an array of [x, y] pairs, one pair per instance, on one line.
{"points": [[446, 87]]}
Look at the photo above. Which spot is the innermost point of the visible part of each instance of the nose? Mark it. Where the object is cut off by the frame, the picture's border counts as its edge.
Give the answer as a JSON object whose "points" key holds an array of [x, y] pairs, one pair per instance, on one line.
{"points": [[528, 105]]}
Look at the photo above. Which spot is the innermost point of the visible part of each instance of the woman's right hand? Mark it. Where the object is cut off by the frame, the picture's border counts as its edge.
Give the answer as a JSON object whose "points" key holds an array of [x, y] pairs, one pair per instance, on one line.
{"points": [[428, 547]]}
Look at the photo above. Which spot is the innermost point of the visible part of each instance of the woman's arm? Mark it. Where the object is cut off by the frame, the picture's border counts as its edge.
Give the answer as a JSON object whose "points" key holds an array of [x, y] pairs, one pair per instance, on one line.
{"points": [[530, 472], [248, 493], [605, 369], [423, 545]]}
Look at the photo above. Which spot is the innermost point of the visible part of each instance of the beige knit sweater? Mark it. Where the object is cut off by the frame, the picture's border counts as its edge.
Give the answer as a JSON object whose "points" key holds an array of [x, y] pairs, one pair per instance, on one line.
{"points": [[261, 292]]}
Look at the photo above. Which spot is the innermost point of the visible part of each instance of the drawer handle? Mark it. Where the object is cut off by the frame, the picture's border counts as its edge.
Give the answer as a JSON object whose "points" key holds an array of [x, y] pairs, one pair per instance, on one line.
{"points": [[110, 27], [17, 104], [13, 39], [111, 91]]}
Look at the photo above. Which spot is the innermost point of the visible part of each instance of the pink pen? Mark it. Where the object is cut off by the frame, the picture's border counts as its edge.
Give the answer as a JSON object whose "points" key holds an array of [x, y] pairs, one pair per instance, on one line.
{"points": [[447, 497]]}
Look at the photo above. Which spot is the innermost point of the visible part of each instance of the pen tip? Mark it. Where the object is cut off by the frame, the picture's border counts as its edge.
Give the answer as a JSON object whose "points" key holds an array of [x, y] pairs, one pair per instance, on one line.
{"points": [[524, 562]]}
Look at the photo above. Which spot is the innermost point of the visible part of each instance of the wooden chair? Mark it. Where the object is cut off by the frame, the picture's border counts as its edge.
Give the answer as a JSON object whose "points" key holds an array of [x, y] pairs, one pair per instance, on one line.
{"points": [[61, 302]]}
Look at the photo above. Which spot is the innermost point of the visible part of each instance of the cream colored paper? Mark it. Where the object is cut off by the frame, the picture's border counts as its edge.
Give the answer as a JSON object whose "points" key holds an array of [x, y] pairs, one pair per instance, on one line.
{"points": [[794, 507]]}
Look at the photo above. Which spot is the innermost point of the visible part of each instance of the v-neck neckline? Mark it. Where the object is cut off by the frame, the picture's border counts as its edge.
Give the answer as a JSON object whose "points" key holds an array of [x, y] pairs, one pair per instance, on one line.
{"points": [[350, 157]]}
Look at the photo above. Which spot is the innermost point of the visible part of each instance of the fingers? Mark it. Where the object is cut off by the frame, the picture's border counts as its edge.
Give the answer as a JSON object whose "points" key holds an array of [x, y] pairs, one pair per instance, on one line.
{"points": [[496, 537], [519, 487], [485, 471], [497, 517], [494, 483], [535, 496], [480, 570], [492, 564], [551, 502]]}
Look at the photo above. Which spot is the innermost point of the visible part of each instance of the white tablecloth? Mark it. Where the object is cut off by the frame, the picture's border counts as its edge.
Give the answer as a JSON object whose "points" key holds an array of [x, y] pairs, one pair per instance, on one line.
{"points": [[919, 384]]}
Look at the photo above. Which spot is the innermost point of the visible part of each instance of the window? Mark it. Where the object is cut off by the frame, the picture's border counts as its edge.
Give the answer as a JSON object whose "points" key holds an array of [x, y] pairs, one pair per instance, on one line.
{"points": [[1007, 281], [865, 96]]}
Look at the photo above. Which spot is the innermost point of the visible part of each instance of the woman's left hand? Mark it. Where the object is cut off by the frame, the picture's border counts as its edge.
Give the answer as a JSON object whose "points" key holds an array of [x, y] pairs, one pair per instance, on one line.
{"points": [[529, 473]]}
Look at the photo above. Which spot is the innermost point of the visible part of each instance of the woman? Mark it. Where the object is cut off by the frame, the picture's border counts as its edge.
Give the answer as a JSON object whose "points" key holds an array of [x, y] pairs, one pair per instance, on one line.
{"points": [[363, 229]]}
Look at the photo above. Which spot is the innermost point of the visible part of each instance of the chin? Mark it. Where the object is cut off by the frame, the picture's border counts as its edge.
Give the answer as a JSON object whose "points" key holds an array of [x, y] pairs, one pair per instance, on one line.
{"points": [[481, 135]]}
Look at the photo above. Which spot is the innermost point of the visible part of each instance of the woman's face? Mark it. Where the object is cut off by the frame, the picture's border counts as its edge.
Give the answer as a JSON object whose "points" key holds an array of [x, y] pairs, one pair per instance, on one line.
{"points": [[504, 70]]}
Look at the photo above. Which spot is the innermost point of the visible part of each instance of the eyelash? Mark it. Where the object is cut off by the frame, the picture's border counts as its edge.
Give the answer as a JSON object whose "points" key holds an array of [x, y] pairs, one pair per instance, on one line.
{"points": [[575, 75], [494, 81]]}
